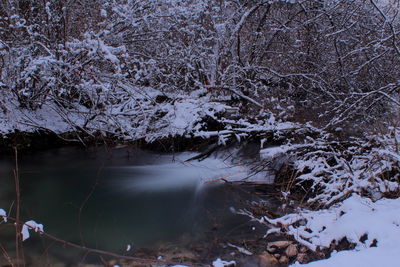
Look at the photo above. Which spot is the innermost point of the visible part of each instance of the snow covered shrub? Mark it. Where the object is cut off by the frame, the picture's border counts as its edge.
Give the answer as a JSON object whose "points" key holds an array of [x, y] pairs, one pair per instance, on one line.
{"points": [[81, 73], [325, 171], [333, 62], [36, 80], [327, 58], [43, 61]]}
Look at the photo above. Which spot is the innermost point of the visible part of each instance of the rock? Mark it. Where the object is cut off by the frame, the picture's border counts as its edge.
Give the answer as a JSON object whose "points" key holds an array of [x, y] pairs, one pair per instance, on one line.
{"points": [[267, 260], [303, 249], [174, 254], [284, 260], [302, 258], [136, 264], [113, 262], [181, 255], [291, 250], [278, 244]]}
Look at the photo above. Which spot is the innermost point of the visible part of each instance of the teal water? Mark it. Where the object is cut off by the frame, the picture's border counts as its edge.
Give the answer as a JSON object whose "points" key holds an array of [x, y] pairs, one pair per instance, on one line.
{"points": [[109, 199]]}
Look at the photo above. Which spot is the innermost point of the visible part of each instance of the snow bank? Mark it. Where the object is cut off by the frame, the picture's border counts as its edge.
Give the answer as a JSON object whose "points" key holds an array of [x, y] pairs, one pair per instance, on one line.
{"points": [[137, 112], [137, 116], [371, 257], [361, 221], [49, 117]]}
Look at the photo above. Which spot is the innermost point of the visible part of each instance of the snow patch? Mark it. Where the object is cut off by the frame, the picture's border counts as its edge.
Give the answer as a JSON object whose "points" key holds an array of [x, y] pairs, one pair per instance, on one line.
{"points": [[103, 13], [353, 218], [221, 263]]}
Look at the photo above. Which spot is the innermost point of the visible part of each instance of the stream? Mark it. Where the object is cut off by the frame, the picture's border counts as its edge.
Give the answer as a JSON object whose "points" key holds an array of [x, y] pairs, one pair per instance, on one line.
{"points": [[123, 200]]}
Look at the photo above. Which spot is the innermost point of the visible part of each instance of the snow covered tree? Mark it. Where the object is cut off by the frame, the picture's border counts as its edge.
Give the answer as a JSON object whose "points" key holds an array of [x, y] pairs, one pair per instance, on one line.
{"points": [[338, 58]]}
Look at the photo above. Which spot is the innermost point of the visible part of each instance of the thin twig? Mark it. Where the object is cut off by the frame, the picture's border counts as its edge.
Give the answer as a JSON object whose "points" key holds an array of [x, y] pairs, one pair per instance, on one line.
{"points": [[88, 250], [18, 243], [6, 256], [85, 201]]}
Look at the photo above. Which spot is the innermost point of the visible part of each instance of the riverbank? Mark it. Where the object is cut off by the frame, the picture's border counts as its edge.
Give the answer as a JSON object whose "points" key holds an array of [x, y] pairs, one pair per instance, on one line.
{"points": [[326, 175]]}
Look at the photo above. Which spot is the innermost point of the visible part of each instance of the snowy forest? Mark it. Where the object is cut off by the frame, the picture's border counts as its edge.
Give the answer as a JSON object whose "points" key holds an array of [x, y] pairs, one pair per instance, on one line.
{"points": [[314, 83]]}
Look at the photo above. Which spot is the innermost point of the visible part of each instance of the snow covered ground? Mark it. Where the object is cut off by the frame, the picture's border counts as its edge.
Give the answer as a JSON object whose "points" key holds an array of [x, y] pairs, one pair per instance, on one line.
{"points": [[346, 177], [374, 227], [138, 116]]}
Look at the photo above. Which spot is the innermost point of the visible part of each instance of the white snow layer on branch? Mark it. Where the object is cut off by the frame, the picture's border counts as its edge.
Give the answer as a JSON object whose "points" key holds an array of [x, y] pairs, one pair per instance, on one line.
{"points": [[272, 152], [335, 173], [241, 249], [3, 214], [30, 225]]}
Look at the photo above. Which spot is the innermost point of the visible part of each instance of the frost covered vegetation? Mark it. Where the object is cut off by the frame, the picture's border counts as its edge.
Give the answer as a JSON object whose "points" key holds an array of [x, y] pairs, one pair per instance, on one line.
{"points": [[137, 68], [316, 81]]}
